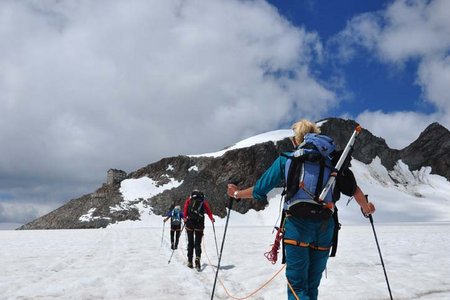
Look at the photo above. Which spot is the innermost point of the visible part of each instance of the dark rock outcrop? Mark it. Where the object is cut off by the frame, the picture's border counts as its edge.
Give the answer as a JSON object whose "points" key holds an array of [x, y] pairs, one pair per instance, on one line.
{"points": [[432, 148], [68, 215], [366, 147]]}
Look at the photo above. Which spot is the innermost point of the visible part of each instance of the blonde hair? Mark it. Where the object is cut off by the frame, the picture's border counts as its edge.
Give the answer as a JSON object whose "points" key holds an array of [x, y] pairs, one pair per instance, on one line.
{"points": [[303, 127]]}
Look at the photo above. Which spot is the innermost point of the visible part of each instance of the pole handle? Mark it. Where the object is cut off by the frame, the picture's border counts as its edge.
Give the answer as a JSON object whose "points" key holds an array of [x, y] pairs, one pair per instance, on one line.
{"points": [[236, 183], [368, 216]]}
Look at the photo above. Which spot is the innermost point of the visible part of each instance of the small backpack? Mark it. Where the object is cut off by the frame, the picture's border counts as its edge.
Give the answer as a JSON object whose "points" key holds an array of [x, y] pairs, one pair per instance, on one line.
{"points": [[308, 170], [196, 212], [175, 218]]}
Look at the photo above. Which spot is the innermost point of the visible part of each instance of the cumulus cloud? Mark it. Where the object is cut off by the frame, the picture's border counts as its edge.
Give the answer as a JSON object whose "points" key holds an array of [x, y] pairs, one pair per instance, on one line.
{"points": [[399, 129], [434, 77], [89, 85], [404, 30], [407, 31]]}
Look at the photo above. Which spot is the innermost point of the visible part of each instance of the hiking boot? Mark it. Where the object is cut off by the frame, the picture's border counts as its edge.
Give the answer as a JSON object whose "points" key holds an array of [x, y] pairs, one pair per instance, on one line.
{"points": [[172, 247], [197, 263], [190, 265]]}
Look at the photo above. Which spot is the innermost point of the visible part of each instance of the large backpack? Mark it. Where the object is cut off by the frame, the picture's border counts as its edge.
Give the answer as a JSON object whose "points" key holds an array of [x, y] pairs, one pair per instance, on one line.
{"points": [[308, 170], [175, 218], [196, 211], [317, 149]]}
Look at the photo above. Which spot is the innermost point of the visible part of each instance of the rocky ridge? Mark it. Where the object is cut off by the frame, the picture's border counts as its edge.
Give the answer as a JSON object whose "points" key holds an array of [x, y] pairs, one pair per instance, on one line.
{"points": [[242, 166]]}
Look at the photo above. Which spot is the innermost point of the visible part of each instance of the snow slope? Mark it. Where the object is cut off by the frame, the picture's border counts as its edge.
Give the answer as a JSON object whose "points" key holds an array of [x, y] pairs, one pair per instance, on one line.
{"points": [[132, 263]]}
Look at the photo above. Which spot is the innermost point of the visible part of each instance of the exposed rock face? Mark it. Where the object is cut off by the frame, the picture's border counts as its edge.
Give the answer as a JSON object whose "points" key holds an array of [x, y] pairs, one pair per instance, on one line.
{"points": [[68, 215], [432, 148], [366, 147], [243, 166]]}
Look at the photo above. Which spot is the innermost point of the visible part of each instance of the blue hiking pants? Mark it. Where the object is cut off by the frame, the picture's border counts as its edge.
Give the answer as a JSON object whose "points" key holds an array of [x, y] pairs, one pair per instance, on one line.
{"points": [[306, 260]]}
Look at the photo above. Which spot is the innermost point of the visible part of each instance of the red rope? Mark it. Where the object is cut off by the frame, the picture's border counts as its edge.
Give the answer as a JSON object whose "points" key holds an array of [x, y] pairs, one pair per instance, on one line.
{"points": [[272, 255]]}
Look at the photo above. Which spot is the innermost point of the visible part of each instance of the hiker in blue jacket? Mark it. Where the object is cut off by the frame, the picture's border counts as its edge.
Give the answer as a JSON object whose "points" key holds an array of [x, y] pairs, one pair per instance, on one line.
{"points": [[308, 226], [175, 216]]}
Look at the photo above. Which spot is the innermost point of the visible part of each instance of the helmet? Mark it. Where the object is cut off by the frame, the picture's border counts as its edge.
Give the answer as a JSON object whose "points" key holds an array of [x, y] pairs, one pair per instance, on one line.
{"points": [[177, 207], [196, 194]]}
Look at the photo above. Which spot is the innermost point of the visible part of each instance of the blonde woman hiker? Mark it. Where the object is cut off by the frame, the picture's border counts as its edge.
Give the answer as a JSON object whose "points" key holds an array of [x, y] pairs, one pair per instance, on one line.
{"points": [[308, 223]]}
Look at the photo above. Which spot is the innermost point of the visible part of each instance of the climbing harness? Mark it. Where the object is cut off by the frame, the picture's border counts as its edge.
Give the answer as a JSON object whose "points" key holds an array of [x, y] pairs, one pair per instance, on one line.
{"points": [[306, 245]]}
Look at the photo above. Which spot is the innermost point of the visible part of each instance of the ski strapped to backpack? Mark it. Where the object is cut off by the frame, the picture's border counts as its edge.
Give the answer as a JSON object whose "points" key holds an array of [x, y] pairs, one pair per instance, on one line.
{"points": [[342, 164], [347, 150]]}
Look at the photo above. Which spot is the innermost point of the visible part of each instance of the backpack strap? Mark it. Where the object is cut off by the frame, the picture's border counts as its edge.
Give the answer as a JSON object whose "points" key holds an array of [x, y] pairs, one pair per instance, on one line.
{"points": [[293, 177], [320, 179], [337, 227], [284, 183]]}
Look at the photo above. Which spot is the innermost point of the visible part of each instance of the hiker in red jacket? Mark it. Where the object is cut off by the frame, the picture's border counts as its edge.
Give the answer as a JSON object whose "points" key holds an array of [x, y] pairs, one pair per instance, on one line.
{"points": [[194, 213]]}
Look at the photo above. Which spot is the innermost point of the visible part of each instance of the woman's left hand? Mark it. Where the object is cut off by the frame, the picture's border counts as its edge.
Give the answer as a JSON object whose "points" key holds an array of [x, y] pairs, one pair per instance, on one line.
{"points": [[368, 209]]}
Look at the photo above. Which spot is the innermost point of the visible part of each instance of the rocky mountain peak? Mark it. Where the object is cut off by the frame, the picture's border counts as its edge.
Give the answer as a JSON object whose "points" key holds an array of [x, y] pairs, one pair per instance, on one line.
{"points": [[243, 166], [432, 148]]}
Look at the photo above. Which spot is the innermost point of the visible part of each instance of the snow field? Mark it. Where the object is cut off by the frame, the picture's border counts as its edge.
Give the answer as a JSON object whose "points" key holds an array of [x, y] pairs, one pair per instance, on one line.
{"points": [[131, 263]]}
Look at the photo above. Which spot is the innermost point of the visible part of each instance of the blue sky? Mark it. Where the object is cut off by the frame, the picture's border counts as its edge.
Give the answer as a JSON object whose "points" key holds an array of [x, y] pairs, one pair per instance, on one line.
{"points": [[325, 17], [86, 86], [374, 85]]}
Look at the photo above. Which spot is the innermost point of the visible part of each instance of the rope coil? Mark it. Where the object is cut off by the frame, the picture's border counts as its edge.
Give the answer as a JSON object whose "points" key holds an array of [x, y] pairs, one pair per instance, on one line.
{"points": [[272, 255]]}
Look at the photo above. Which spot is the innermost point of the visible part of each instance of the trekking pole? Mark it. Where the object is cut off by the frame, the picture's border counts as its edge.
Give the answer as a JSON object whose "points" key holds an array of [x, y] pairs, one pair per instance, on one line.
{"points": [[215, 239], [173, 250], [369, 216], [162, 236], [221, 247]]}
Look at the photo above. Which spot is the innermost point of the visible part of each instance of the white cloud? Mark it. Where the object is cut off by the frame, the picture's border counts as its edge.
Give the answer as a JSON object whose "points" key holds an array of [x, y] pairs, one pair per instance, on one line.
{"points": [[399, 129], [89, 85], [434, 77], [415, 29], [406, 31]]}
